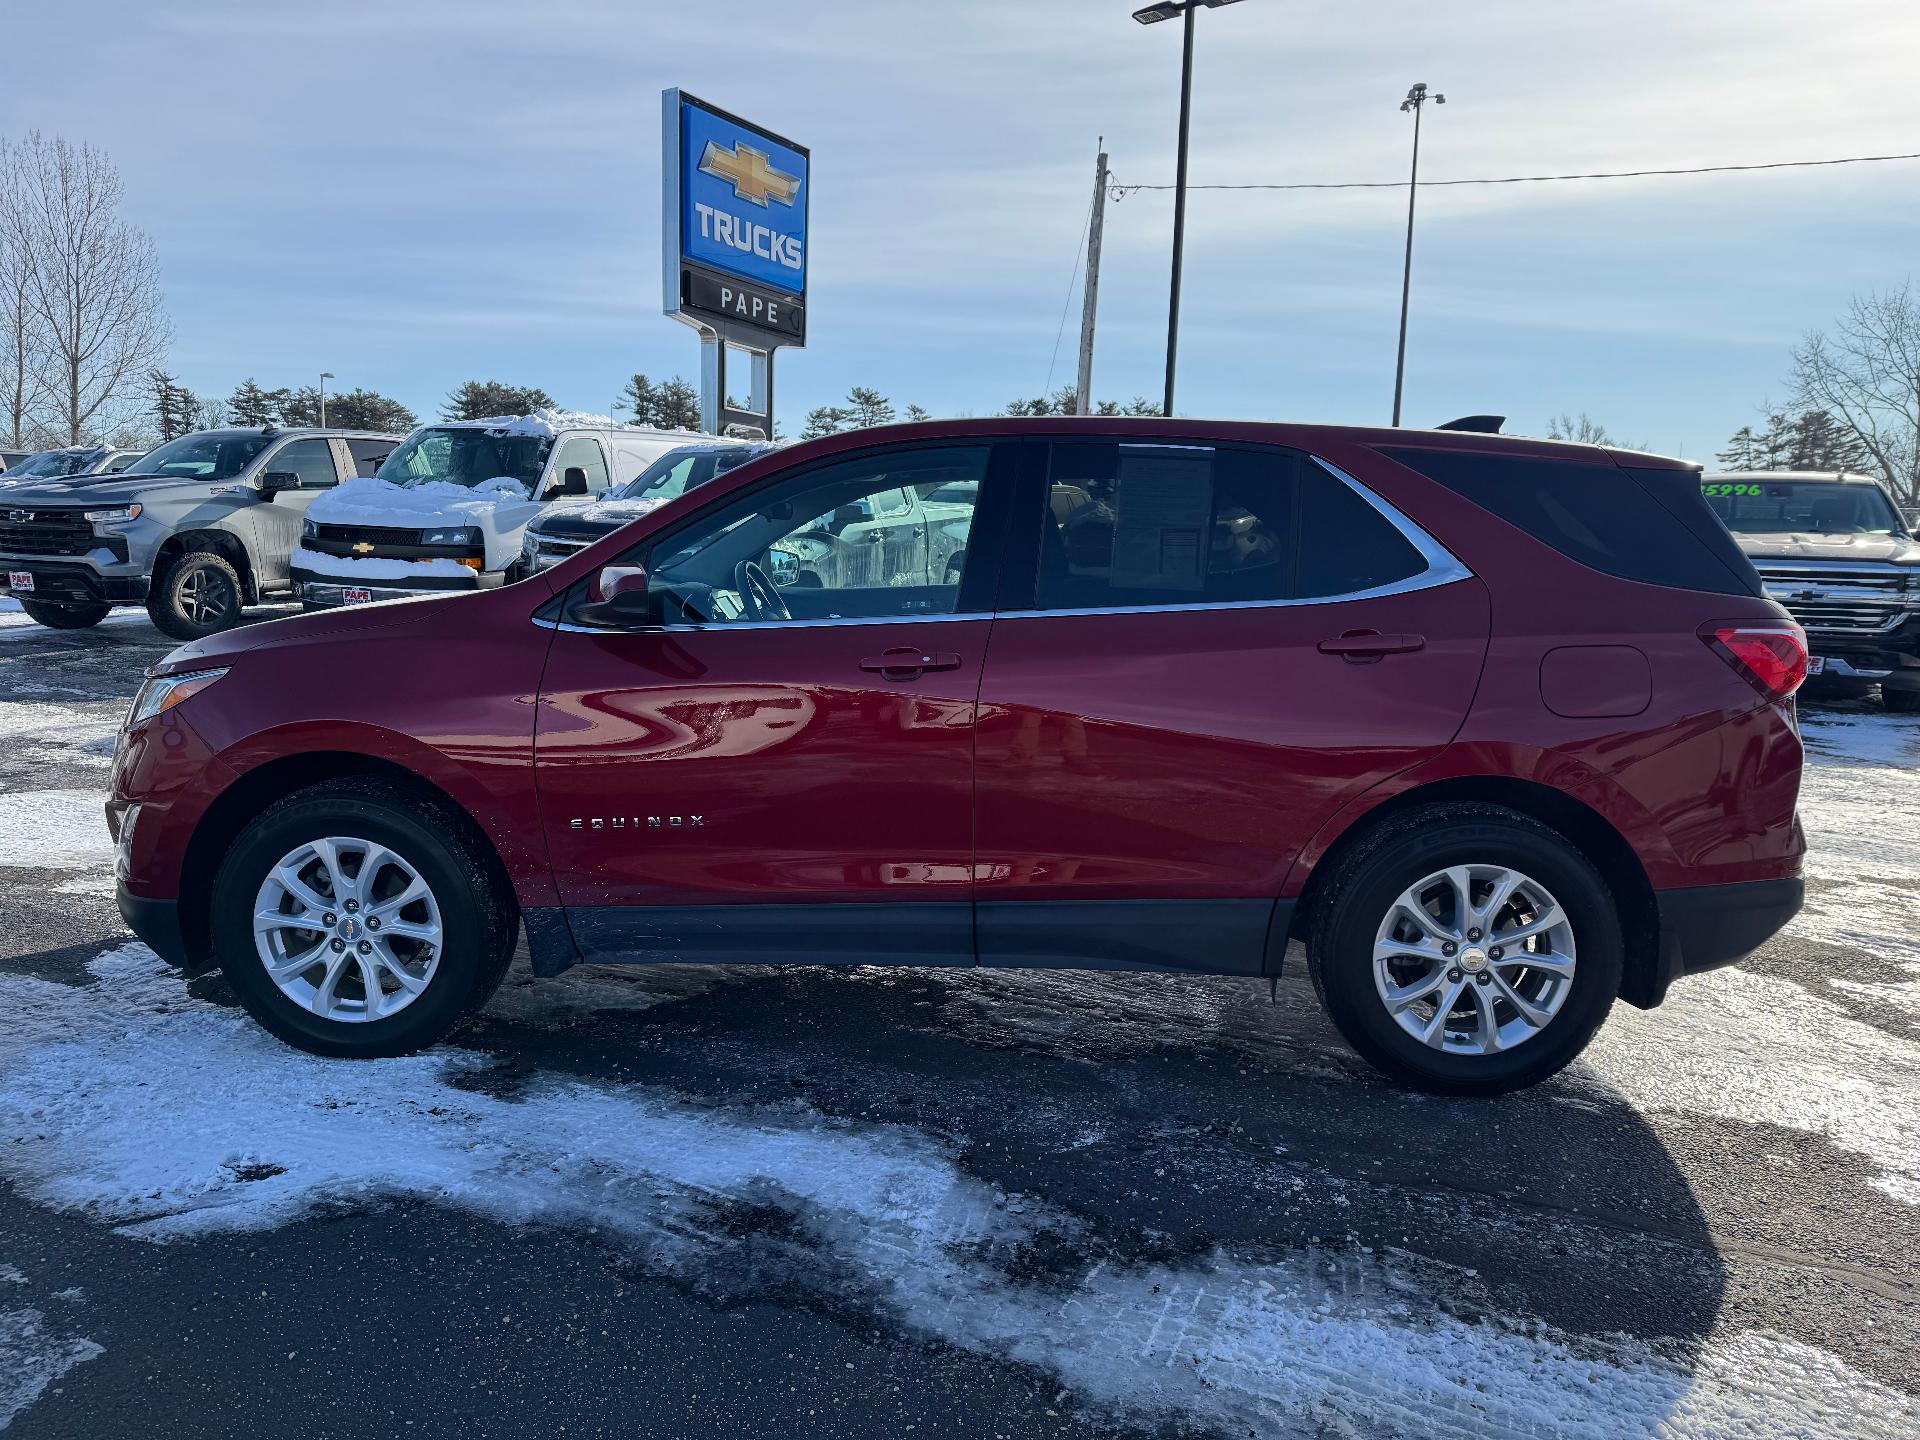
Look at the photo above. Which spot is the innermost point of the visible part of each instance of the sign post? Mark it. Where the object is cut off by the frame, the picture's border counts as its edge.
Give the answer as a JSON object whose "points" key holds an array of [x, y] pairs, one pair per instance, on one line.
{"points": [[733, 250]]}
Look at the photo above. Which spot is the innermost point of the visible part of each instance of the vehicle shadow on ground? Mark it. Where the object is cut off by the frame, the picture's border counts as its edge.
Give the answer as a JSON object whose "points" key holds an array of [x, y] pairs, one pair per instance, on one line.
{"points": [[1174, 1120]]}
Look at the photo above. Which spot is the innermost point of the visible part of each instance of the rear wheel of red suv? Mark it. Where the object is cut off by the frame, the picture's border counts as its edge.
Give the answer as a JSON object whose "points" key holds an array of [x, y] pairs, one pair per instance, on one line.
{"points": [[355, 920], [1467, 950]]}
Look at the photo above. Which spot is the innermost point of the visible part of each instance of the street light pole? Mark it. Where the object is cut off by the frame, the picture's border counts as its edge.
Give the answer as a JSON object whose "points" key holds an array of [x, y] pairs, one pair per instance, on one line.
{"points": [[1152, 15], [325, 375], [1416, 99]]}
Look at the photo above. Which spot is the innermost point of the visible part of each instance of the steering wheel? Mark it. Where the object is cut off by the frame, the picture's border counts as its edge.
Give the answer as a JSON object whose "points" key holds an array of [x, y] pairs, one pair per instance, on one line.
{"points": [[758, 593]]}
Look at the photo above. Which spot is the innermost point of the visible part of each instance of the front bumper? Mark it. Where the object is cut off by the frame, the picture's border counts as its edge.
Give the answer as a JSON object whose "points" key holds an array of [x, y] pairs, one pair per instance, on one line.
{"points": [[1703, 927], [157, 923], [330, 594], [68, 582], [1869, 656]]}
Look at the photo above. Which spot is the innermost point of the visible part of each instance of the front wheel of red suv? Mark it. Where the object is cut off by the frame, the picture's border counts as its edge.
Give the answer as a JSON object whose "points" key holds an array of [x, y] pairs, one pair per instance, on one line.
{"points": [[355, 920], [1467, 950]]}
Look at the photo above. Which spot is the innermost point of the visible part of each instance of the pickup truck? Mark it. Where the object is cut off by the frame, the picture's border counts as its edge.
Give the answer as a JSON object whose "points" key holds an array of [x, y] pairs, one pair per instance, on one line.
{"points": [[1836, 551]]}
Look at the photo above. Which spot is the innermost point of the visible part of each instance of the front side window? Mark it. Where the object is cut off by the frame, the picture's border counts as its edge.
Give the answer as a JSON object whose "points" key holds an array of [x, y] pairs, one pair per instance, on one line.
{"points": [[368, 455], [836, 542], [310, 462], [583, 453], [471, 456], [1144, 524]]}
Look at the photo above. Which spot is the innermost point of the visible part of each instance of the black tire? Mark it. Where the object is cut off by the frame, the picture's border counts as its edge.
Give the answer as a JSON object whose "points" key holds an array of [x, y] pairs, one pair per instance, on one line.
{"points": [[57, 616], [1363, 888], [479, 922], [195, 595], [1900, 702]]}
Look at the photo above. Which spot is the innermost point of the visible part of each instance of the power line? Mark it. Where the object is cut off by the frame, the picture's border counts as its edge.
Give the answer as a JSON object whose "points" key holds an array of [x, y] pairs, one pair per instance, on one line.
{"points": [[1067, 304], [1121, 191]]}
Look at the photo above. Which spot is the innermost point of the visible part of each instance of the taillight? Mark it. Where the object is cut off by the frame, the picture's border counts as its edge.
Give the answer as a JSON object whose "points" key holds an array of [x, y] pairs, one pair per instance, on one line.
{"points": [[1771, 655]]}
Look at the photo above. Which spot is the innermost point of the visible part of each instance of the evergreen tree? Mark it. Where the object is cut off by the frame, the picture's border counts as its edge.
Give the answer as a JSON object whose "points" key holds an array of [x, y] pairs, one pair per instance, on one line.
{"points": [[250, 405], [1743, 451], [640, 401], [826, 420], [676, 406], [369, 410], [302, 406], [1819, 443], [918, 412], [485, 399], [869, 407], [1776, 443], [171, 405]]}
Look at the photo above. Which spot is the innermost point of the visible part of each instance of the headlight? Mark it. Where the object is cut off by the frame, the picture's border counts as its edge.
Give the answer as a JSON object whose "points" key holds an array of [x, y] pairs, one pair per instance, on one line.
{"points": [[308, 528], [115, 515], [529, 543], [453, 535], [163, 692]]}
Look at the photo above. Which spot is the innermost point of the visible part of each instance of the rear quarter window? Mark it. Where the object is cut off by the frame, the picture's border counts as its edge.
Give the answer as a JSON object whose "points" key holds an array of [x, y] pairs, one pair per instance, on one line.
{"points": [[1642, 524]]}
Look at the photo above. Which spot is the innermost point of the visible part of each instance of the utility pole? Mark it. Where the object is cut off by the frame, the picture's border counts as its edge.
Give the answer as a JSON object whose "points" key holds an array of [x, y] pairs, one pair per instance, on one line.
{"points": [[325, 375], [1090, 299], [1179, 209], [1417, 97]]}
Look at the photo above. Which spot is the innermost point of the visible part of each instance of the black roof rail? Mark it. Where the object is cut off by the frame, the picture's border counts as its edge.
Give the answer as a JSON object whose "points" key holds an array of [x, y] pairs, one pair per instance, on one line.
{"points": [[1476, 424]]}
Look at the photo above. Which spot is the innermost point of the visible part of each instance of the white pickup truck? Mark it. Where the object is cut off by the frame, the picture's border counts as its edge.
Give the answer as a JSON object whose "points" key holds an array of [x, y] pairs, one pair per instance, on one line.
{"points": [[447, 510]]}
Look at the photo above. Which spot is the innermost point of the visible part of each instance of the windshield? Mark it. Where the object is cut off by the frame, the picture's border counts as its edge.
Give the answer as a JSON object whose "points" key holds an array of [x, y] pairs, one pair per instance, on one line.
{"points": [[679, 471], [469, 458], [53, 463], [210, 455], [1818, 507]]}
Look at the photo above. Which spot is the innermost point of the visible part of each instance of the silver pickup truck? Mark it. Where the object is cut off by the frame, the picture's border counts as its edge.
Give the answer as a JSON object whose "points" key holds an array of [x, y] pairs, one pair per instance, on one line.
{"points": [[198, 529]]}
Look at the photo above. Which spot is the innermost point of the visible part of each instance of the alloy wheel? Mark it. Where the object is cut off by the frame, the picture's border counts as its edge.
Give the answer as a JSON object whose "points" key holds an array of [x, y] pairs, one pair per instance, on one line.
{"points": [[205, 596], [1474, 959], [348, 929]]}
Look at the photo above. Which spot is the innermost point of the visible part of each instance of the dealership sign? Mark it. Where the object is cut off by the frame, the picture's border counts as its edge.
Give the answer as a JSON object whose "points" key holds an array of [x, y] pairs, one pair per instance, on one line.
{"points": [[735, 242]]}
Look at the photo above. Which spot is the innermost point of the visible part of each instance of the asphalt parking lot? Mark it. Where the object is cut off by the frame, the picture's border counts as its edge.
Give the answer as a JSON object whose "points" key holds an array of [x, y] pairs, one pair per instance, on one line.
{"points": [[863, 1202]]}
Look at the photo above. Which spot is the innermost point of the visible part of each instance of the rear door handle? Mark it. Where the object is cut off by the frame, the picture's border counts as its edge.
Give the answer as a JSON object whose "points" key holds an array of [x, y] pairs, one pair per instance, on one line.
{"points": [[1362, 646], [905, 663]]}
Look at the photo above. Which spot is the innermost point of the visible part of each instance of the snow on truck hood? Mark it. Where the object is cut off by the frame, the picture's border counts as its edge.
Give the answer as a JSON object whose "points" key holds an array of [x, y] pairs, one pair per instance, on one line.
{"points": [[498, 508]]}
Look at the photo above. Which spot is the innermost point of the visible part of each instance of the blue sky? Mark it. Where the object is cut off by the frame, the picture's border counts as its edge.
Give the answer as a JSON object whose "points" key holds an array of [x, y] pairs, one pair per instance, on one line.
{"points": [[416, 192]]}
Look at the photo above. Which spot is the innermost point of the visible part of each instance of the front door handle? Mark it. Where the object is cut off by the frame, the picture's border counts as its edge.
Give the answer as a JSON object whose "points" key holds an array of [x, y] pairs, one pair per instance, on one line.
{"points": [[905, 663], [1363, 647]]}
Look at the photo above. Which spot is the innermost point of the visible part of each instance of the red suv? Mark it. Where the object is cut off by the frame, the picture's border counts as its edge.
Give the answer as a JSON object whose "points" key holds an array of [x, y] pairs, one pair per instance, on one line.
{"points": [[1501, 729]]}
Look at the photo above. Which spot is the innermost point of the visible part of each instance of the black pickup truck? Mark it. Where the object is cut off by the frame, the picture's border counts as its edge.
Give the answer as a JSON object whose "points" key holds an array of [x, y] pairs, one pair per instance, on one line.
{"points": [[1837, 552]]}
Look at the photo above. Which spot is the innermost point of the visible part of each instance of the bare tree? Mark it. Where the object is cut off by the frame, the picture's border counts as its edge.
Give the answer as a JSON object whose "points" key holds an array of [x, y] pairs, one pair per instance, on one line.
{"points": [[1865, 373], [94, 287], [20, 340]]}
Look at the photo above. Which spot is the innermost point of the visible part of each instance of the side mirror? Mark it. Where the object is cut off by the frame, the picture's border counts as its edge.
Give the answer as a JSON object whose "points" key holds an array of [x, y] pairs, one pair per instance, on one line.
{"points": [[620, 597], [274, 481], [573, 481]]}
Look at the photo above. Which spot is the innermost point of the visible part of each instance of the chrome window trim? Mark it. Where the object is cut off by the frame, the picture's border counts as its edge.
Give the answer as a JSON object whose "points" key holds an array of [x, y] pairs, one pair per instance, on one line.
{"points": [[1443, 568], [728, 626]]}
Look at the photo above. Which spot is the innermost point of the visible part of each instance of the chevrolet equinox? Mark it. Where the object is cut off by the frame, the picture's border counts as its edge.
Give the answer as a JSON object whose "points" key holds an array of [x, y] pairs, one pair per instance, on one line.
{"points": [[1501, 730]]}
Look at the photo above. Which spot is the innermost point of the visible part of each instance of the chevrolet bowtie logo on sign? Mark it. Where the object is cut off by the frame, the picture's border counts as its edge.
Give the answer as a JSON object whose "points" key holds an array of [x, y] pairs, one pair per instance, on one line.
{"points": [[749, 172]]}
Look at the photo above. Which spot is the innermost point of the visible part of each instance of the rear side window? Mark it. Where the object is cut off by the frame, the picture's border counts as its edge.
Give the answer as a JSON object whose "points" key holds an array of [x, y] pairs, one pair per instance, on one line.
{"points": [[1132, 524], [367, 454], [1347, 546], [1645, 525]]}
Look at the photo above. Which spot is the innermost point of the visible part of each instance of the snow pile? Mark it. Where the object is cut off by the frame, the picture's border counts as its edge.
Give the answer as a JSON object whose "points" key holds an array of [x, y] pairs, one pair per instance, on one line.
{"points": [[364, 500], [259, 1136], [552, 422], [54, 830], [619, 512], [358, 570]]}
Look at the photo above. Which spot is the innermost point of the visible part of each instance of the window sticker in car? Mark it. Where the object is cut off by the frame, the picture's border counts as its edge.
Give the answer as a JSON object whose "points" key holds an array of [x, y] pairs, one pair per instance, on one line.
{"points": [[1721, 487], [1163, 508]]}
